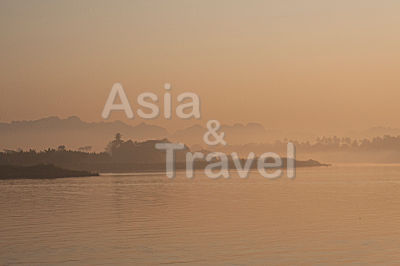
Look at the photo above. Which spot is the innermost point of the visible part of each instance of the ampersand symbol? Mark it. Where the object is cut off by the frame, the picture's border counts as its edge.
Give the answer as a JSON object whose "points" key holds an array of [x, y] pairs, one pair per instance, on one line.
{"points": [[213, 126]]}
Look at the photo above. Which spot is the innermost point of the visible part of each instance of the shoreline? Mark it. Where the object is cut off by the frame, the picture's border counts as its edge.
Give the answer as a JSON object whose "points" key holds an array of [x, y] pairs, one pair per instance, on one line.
{"points": [[40, 171], [50, 171]]}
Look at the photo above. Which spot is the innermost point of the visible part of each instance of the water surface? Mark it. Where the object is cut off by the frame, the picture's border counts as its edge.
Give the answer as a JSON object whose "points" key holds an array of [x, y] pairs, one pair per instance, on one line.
{"points": [[339, 214]]}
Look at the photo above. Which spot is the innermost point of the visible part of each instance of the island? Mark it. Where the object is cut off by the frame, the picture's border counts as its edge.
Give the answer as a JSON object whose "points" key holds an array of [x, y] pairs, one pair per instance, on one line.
{"points": [[120, 156]]}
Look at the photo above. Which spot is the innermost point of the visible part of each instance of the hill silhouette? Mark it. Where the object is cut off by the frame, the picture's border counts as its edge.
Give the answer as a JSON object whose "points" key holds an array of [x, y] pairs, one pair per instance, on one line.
{"points": [[234, 134], [91, 136], [120, 156], [47, 132]]}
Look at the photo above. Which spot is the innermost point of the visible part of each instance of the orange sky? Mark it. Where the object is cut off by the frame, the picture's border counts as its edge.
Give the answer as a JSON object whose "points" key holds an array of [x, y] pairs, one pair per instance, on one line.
{"points": [[287, 64]]}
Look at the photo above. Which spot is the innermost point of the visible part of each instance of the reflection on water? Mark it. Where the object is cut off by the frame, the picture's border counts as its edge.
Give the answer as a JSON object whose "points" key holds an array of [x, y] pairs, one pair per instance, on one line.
{"points": [[326, 215]]}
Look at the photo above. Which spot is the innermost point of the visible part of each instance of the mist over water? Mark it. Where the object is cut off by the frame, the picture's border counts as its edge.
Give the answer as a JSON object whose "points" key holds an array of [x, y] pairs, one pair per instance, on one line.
{"points": [[340, 214]]}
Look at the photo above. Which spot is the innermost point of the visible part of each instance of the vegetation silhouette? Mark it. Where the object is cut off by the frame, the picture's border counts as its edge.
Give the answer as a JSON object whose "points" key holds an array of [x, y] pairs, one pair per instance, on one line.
{"points": [[40, 171], [325, 144], [119, 156]]}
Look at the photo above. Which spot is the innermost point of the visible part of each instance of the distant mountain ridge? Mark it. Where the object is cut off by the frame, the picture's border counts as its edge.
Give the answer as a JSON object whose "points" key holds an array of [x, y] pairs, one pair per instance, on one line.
{"points": [[234, 134], [72, 132]]}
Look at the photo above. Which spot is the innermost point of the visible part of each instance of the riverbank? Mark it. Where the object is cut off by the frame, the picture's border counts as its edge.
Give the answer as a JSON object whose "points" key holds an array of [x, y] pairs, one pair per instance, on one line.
{"points": [[40, 171]]}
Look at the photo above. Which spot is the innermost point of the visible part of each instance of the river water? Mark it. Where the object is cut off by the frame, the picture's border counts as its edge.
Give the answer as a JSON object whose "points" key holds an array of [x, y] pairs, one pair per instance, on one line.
{"points": [[329, 215]]}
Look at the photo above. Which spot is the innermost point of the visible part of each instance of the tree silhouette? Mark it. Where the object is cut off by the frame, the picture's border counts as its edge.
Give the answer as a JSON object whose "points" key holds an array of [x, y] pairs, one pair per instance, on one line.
{"points": [[115, 144]]}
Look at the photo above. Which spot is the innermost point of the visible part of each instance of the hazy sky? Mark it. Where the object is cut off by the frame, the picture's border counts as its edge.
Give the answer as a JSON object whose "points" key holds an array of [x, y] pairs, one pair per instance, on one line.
{"points": [[287, 64]]}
